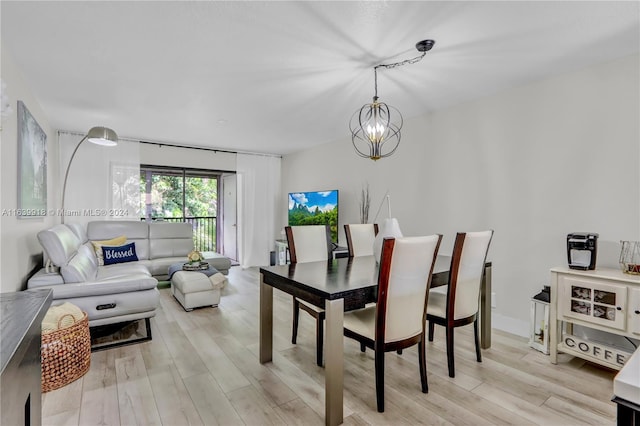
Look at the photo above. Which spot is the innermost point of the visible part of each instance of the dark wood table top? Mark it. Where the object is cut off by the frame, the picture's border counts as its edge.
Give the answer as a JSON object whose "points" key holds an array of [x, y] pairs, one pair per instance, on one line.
{"points": [[353, 279], [19, 311]]}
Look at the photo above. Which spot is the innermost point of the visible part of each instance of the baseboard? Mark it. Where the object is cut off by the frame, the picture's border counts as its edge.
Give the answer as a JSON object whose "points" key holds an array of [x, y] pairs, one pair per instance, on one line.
{"points": [[510, 325]]}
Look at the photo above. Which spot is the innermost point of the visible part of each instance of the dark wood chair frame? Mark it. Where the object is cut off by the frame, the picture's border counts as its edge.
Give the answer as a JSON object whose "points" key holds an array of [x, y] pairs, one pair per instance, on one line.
{"points": [[347, 233], [319, 316], [449, 322], [378, 345]]}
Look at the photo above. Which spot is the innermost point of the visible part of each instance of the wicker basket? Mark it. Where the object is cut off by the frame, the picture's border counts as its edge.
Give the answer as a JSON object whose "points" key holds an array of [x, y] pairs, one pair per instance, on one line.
{"points": [[66, 354]]}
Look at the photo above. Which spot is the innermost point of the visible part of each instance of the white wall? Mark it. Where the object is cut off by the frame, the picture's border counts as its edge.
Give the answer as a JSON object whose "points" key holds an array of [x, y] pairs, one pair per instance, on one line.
{"points": [[533, 163], [20, 248], [20, 251], [90, 194]]}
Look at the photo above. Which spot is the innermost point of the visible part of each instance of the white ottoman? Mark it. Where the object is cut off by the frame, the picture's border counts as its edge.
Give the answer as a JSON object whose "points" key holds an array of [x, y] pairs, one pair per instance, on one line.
{"points": [[194, 289]]}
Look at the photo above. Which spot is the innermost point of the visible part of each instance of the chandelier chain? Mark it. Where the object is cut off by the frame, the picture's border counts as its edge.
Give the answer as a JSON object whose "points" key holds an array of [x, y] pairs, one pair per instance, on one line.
{"points": [[394, 65]]}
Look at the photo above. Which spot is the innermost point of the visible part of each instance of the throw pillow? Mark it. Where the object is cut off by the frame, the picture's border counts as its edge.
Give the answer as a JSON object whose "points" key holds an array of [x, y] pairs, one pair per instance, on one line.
{"points": [[119, 254], [97, 246]]}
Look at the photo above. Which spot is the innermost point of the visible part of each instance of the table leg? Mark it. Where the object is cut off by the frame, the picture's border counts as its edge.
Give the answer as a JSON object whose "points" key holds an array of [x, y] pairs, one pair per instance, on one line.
{"points": [[266, 321], [485, 309], [334, 361], [555, 331]]}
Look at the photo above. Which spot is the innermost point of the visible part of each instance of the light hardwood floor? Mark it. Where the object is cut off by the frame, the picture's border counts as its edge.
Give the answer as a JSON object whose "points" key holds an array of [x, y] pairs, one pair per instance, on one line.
{"points": [[201, 368]]}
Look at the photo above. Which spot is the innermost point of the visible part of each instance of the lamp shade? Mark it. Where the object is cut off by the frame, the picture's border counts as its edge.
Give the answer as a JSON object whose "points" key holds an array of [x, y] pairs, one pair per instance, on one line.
{"points": [[98, 135], [390, 228], [102, 136]]}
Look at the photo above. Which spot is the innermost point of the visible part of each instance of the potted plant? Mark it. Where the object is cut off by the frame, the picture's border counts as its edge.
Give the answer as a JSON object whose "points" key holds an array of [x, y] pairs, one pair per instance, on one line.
{"points": [[195, 257]]}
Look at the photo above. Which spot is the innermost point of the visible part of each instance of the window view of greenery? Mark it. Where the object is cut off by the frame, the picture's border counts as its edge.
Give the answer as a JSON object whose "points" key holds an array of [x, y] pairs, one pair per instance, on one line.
{"points": [[179, 195]]}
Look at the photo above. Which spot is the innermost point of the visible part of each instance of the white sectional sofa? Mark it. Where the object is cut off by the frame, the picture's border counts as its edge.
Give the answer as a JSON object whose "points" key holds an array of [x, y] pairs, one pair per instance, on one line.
{"points": [[118, 292]]}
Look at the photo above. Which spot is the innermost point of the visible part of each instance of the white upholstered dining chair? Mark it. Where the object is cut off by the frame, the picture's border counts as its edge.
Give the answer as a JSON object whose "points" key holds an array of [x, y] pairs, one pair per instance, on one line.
{"points": [[310, 243], [360, 238], [457, 303], [397, 320]]}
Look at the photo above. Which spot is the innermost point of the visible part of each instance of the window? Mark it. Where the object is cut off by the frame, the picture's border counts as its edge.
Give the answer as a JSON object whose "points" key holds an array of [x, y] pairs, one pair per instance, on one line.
{"points": [[183, 195]]}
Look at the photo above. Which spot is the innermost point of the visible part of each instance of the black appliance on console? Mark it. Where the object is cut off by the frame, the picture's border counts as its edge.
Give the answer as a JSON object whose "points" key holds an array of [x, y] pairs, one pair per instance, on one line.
{"points": [[582, 248]]}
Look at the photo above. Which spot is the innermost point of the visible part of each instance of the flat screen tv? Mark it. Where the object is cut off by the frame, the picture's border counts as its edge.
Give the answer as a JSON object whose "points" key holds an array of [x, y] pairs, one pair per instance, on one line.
{"points": [[315, 208]]}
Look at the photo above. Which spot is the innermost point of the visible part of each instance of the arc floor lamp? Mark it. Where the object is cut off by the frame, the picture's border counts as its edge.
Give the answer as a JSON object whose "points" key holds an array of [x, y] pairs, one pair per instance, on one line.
{"points": [[97, 135]]}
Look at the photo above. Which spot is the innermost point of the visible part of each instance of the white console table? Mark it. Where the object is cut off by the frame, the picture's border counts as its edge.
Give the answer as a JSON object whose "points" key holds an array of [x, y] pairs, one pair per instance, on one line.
{"points": [[282, 252], [602, 299]]}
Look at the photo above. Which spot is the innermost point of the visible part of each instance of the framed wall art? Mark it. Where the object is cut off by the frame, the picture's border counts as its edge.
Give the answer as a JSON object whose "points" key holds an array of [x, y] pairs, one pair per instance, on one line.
{"points": [[32, 165]]}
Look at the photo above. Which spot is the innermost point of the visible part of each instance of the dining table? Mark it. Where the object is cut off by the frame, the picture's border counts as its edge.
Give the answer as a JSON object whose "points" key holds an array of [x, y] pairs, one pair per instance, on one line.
{"points": [[337, 286]]}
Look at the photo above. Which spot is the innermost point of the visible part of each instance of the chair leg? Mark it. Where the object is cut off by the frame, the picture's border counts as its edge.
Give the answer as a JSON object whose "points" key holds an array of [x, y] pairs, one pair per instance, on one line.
{"points": [[296, 314], [476, 336], [379, 366], [431, 327], [319, 340], [450, 363], [422, 355]]}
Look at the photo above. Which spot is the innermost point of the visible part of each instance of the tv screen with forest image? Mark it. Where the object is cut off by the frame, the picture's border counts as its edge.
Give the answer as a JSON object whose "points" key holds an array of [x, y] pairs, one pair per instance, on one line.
{"points": [[315, 208]]}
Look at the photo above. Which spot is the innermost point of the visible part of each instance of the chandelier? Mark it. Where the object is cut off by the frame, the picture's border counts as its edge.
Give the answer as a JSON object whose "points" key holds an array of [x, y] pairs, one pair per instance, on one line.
{"points": [[375, 128]]}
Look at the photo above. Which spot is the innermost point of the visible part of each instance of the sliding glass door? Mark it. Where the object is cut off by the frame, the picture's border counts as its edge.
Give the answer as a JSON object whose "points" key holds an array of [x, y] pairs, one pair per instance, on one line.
{"points": [[183, 195]]}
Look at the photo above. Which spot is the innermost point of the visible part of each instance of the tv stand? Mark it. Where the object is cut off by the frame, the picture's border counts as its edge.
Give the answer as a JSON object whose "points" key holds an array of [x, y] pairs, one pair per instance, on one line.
{"points": [[340, 252], [282, 252]]}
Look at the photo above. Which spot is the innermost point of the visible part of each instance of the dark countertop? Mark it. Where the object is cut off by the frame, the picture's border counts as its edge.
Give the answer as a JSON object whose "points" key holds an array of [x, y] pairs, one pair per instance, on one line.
{"points": [[18, 312]]}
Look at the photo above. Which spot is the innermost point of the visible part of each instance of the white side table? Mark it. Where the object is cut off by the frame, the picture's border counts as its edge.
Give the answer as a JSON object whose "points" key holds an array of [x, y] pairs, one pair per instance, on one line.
{"points": [[282, 252]]}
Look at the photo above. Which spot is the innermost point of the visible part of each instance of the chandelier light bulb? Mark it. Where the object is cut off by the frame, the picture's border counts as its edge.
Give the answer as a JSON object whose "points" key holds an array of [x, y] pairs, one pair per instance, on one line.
{"points": [[375, 130]]}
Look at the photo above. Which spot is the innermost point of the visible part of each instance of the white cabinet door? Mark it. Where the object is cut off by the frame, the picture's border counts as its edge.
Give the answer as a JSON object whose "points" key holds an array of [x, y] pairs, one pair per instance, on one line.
{"points": [[634, 310], [593, 301]]}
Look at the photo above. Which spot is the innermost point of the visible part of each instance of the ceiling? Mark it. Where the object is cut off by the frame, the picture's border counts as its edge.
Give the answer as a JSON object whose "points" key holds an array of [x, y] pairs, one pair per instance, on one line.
{"points": [[278, 77]]}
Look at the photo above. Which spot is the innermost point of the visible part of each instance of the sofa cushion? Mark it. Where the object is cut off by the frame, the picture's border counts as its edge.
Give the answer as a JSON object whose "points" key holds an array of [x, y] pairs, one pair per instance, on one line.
{"points": [[78, 229], [218, 261], [97, 246], [123, 271], [130, 284], [135, 231], [170, 239], [80, 268], [119, 254], [160, 267], [59, 244], [91, 254], [118, 307], [42, 278]]}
